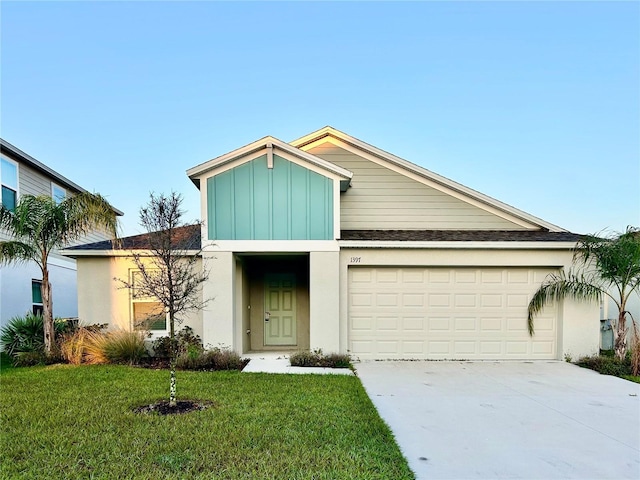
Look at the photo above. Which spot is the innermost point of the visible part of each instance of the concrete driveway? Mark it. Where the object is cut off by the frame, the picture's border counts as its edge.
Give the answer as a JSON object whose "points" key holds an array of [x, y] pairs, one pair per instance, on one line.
{"points": [[530, 420]]}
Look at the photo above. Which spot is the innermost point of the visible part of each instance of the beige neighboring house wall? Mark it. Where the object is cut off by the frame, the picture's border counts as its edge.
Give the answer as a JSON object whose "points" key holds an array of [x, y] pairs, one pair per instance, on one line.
{"points": [[104, 299]]}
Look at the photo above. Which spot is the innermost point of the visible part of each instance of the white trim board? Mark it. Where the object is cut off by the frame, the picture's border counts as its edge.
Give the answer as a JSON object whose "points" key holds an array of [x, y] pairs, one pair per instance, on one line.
{"points": [[261, 147]]}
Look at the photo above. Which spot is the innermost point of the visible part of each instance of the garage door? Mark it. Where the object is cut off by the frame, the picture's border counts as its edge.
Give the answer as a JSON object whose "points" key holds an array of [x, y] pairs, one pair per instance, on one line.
{"points": [[447, 313]]}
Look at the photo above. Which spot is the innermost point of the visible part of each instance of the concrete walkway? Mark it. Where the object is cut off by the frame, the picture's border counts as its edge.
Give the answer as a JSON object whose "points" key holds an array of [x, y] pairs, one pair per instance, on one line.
{"points": [[526, 420], [268, 362]]}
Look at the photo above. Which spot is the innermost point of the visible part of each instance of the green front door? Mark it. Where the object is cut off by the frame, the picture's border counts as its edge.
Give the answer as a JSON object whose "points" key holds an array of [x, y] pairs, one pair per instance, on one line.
{"points": [[280, 309]]}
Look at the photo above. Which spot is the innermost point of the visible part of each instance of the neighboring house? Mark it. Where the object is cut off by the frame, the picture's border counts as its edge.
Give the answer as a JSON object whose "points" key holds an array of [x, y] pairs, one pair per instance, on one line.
{"points": [[329, 242], [21, 174]]}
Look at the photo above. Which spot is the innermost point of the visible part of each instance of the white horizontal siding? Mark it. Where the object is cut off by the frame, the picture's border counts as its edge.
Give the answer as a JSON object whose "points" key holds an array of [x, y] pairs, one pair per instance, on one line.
{"points": [[382, 199]]}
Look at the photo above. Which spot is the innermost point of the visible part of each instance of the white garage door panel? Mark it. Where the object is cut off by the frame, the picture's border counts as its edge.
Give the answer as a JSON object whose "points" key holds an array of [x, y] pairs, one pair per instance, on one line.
{"points": [[462, 313]]}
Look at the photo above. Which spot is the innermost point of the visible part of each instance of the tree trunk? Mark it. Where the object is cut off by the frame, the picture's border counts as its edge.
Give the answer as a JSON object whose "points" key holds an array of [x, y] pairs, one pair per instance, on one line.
{"points": [[173, 361], [172, 384], [620, 335], [635, 350], [47, 312]]}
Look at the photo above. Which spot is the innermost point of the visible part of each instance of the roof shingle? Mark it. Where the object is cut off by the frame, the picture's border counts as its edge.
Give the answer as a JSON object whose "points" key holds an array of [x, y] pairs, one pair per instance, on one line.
{"points": [[188, 238], [459, 236]]}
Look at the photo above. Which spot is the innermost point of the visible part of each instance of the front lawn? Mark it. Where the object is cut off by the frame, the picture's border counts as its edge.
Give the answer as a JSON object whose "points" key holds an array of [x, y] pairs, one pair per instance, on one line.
{"points": [[72, 422]]}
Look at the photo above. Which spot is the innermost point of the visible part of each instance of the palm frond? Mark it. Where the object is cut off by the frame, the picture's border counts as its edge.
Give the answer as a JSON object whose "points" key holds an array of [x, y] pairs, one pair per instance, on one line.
{"points": [[557, 287], [6, 218], [14, 251], [615, 257], [86, 212]]}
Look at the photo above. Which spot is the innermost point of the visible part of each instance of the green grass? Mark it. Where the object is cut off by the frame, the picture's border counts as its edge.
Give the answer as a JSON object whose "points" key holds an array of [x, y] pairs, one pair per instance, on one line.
{"points": [[632, 378], [77, 422]]}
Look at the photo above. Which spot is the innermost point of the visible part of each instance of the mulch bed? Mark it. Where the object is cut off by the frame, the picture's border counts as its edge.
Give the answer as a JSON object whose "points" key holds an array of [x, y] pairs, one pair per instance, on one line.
{"points": [[163, 364], [182, 406]]}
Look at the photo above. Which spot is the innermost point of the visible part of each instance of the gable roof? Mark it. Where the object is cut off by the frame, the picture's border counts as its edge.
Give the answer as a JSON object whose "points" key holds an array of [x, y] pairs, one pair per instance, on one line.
{"points": [[443, 182], [268, 142]]}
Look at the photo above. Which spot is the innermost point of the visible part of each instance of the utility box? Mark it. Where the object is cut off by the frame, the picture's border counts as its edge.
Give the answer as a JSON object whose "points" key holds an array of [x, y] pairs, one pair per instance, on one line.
{"points": [[606, 334]]}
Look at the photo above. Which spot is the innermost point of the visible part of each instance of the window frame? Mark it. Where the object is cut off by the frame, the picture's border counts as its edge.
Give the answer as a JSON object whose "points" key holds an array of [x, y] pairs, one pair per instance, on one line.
{"points": [[133, 273], [2, 182], [55, 186], [35, 306]]}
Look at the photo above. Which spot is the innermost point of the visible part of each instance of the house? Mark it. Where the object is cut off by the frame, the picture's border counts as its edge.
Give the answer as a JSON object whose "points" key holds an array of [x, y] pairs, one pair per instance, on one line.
{"points": [[329, 242], [22, 174]]}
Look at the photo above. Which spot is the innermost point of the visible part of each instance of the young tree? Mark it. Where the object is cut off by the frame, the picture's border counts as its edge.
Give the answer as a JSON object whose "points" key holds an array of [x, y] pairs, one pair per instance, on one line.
{"points": [[38, 225], [168, 269], [602, 267]]}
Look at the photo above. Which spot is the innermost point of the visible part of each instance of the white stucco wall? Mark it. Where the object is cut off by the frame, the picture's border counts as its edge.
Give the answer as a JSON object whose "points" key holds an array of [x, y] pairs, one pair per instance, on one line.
{"points": [[218, 316], [580, 329], [16, 295], [324, 301]]}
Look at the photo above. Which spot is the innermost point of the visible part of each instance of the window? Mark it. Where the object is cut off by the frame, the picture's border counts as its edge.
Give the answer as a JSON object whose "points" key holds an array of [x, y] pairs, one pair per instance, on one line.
{"points": [[58, 193], [36, 296], [147, 313], [9, 182]]}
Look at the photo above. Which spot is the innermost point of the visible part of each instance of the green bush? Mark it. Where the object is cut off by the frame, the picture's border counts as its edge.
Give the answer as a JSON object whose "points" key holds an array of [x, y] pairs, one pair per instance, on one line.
{"points": [[124, 347], [210, 360], [29, 359], [26, 334], [186, 341], [6, 361], [337, 360], [316, 358], [606, 365]]}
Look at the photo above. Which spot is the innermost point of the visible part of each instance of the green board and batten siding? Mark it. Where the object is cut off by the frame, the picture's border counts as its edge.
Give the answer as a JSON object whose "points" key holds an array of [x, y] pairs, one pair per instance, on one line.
{"points": [[286, 202]]}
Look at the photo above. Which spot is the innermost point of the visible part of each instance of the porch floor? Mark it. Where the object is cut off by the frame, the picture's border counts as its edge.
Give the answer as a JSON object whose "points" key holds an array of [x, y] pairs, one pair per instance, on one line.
{"points": [[278, 362]]}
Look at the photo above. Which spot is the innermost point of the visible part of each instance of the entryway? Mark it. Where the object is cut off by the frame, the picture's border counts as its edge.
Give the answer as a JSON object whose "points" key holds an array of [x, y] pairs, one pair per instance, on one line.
{"points": [[273, 301]]}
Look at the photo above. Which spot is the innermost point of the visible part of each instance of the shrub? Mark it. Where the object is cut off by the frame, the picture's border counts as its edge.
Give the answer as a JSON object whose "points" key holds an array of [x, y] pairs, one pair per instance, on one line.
{"points": [[72, 346], [91, 346], [305, 358], [337, 360], [6, 361], [29, 359], [316, 358], [606, 365], [124, 347], [26, 334], [85, 345], [186, 340], [210, 360]]}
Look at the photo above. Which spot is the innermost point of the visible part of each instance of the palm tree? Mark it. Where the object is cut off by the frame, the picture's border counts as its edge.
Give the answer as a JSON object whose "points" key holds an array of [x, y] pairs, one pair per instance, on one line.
{"points": [[39, 225], [602, 267]]}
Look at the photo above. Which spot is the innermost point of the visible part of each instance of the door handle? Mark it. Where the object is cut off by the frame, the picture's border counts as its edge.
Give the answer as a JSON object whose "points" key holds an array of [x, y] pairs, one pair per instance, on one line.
{"points": [[267, 315]]}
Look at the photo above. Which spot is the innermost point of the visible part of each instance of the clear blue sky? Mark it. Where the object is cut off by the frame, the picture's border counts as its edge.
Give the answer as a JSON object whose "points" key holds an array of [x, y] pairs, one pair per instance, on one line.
{"points": [[534, 103]]}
